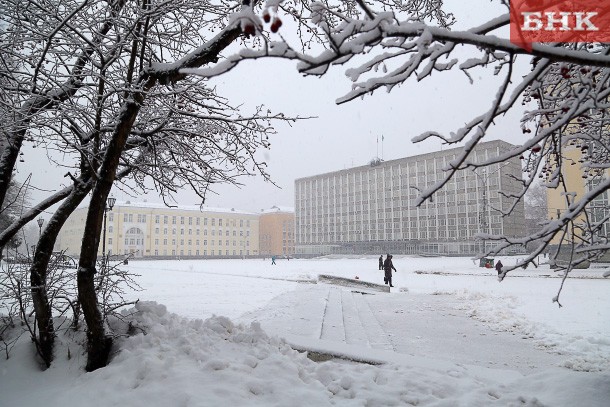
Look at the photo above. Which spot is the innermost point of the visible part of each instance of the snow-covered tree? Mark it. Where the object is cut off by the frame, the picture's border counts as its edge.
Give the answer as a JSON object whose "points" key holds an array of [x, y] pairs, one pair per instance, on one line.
{"points": [[383, 44], [99, 82]]}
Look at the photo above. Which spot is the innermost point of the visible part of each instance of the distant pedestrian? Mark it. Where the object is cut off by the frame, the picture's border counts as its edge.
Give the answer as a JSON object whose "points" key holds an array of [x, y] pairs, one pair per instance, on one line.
{"points": [[388, 267], [381, 262], [499, 266], [273, 260]]}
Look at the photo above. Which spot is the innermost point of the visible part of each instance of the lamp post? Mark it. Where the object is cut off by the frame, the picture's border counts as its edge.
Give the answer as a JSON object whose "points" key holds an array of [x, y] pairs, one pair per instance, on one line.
{"points": [[40, 222], [107, 207]]}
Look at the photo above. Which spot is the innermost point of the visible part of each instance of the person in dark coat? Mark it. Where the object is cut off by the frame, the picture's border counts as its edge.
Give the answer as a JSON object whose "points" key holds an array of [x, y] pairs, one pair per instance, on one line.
{"points": [[499, 266], [388, 267], [381, 262]]}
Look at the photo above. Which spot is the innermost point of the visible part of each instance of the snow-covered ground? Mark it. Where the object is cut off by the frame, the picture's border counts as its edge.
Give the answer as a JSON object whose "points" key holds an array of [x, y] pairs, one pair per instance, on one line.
{"points": [[449, 334]]}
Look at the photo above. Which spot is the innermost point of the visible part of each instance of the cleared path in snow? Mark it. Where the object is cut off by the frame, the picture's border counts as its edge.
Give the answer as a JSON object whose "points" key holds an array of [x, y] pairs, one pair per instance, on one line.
{"points": [[411, 324]]}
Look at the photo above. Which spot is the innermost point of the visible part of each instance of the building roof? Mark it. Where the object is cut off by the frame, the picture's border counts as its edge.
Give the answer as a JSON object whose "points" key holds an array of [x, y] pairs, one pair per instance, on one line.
{"points": [[196, 208], [278, 209], [418, 157]]}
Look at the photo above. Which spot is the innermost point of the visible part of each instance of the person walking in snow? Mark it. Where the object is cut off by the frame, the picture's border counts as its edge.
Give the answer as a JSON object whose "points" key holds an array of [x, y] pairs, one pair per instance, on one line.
{"points": [[499, 266], [273, 260], [381, 262], [388, 267]]}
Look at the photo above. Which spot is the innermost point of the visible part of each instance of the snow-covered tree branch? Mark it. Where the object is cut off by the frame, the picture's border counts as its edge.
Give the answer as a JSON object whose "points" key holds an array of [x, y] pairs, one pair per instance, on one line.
{"points": [[382, 44]]}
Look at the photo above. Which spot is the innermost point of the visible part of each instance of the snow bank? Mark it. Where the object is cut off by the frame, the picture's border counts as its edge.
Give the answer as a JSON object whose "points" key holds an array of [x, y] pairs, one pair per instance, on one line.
{"points": [[172, 361]]}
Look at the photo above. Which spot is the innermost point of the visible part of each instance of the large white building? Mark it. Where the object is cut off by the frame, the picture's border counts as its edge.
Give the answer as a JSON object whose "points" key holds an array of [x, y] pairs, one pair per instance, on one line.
{"points": [[154, 230], [371, 209]]}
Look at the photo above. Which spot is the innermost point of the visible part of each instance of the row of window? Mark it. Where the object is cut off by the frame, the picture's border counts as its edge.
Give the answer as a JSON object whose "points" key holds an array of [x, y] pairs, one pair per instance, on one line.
{"points": [[141, 218], [414, 235]]}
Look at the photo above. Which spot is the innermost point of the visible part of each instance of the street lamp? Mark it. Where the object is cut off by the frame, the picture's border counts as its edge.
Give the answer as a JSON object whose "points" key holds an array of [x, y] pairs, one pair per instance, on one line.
{"points": [[107, 207], [40, 222]]}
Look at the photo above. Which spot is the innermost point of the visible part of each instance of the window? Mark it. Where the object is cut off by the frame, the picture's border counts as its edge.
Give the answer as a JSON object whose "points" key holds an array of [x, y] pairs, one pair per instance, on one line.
{"points": [[213, 222], [173, 220], [157, 218], [219, 222], [165, 220], [111, 217], [182, 220]]}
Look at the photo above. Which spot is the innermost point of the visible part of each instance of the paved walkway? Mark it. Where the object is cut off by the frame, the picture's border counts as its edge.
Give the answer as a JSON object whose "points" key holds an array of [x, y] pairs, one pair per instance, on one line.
{"points": [[325, 316]]}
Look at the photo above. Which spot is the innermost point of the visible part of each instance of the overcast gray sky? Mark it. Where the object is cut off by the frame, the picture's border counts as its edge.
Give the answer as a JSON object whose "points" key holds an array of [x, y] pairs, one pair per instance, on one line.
{"points": [[340, 136]]}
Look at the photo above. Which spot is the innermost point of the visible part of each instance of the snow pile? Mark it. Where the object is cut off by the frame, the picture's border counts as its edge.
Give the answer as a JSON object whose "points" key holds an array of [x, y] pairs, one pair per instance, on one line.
{"points": [[584, 353], [173, 361]]}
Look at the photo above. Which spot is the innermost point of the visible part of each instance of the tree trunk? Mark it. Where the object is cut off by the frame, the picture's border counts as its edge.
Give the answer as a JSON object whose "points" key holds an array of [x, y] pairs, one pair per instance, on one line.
{"points": [[99, 345], [38, 271], [9, 152]]}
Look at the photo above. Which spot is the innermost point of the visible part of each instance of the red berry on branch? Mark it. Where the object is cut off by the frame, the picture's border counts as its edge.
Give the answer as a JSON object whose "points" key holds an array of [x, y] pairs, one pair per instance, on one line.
{"points": [[249, 29], [277, 23], [536, 148], [266, 16]]}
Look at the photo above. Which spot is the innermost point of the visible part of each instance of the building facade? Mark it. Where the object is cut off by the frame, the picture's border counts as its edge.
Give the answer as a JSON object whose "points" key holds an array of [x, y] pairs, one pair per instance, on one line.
{"points": [[372, 209], [154, 230], [276, 232], [575, 185]]}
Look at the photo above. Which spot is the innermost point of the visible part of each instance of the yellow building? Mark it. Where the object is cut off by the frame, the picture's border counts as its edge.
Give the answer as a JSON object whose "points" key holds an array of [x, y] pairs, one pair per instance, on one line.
{"points": [[576, 186], [154, 230], [276, 235]]}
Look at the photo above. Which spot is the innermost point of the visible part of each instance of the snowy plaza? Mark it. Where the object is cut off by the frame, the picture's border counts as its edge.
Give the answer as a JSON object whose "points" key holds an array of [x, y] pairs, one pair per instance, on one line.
{"points": [[237, 332]]}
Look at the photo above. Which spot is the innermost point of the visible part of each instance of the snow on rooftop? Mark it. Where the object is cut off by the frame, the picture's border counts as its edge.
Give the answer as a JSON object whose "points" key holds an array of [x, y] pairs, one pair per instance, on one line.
{"points": [[197, 208], [278, 209]]}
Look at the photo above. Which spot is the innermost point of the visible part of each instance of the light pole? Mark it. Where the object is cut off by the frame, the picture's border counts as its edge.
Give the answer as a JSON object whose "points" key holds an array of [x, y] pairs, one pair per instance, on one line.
{"points": [[40, 222], [107, 207]]}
